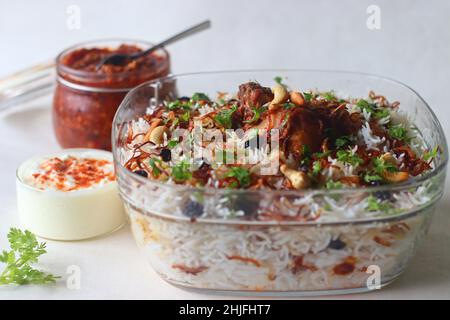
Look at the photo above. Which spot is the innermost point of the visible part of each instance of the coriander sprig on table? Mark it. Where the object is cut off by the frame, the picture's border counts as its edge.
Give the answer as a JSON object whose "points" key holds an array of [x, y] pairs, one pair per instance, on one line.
{"points": [[25, 251]]}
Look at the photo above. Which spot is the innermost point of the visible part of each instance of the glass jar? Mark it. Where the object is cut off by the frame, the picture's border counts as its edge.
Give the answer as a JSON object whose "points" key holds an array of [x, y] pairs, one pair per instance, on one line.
{"points": [[86, 99]]}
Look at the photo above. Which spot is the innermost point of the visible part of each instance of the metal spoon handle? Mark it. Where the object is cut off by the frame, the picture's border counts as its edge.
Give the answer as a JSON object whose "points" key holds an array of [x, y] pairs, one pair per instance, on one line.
{"points": [[192, 30]]}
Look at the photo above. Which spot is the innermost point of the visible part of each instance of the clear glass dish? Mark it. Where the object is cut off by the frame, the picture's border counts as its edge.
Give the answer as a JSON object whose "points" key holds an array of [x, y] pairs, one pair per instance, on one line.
{"points": [[352, 251]]}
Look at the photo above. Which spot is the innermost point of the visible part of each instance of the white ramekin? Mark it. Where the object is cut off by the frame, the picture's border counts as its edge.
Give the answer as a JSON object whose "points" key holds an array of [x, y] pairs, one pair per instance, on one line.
{"points": [[69, 215]]}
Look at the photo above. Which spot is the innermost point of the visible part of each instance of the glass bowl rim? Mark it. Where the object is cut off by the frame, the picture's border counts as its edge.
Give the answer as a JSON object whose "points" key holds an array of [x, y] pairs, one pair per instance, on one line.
{"points": [[217, 191]]}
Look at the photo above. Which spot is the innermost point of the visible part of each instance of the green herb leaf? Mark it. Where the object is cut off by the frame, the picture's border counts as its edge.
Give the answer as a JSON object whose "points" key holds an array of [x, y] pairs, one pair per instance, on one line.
{"points": [[198, 96], [279, 80], [429, 155], [288, 105], [155, 170], [380, 166], [320, 155], [347, 156], [343, 140], [373, 204], [308, 96], [306, 155], [256, 114], [381, 113], [371, 177], [181, 171], [334, 184], [306, 151], [398, 132], [172, 144], [317, 167], [185, 117], [25, 251], [376, 111], [329, 96], [241, 174], [225, 117], [178, 104], [365, 105]]}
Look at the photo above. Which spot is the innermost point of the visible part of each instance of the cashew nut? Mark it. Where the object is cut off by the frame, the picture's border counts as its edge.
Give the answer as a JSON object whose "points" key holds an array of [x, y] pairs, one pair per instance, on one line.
{"points": [[393, 176], [280, 95], [207, 122], [387, 157], [157, 134], [396, 176], [298, 179], [297, 98]]}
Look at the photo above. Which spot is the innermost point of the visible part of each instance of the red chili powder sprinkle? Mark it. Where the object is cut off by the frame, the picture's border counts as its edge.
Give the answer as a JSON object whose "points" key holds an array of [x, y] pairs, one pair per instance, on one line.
{"points": [[73, 173]]}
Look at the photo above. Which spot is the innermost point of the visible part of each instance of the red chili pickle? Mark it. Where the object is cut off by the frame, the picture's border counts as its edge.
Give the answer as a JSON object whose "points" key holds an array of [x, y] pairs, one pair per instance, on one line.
{"points": [[86, 99]]}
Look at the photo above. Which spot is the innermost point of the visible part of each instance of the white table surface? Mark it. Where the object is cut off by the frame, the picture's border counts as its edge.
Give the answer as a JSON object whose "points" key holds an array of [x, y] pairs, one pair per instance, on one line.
{"points": [[412, 46]]}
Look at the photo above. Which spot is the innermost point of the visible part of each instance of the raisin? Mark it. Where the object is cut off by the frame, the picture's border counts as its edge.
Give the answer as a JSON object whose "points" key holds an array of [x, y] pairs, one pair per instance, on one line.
{"points": [[166, 155], [141, 173], [193, 209], [337, 244], [184, 99], [374, 183], [383, 195], [248, 204]]}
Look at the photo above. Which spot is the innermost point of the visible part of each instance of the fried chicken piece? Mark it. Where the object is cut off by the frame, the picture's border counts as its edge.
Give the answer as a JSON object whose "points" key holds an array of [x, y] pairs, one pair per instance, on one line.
{"points": [[305, 127], [253, 95]]}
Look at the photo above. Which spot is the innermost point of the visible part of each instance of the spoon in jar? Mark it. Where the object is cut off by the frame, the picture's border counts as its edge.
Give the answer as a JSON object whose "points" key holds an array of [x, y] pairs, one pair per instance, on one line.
{"points": [[120, 58]]}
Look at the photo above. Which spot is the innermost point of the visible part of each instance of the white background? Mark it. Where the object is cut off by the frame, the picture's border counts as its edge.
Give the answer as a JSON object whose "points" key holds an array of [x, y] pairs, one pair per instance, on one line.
{"points": [[413, 46]]}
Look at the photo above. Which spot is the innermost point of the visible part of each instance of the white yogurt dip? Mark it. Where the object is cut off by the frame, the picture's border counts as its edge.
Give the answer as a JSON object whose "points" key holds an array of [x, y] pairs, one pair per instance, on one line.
{"points": [[69, 195]]}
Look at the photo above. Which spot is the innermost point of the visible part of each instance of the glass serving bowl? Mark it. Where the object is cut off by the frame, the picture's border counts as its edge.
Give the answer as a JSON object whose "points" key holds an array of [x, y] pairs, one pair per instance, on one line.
{"points": [[351, 251]]}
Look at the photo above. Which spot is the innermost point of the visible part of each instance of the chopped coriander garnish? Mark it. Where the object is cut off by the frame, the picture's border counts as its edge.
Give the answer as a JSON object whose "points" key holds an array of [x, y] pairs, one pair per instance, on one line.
{"points": [[25, 251], [330, 96], [365, 105], [429, 155], [172, 144], [342, 141], [199, 96], [278, 80], [155, 170], [372, 177], [256, 114], [398, 132], [380, 166], [320, 155], [306, 151], [185, 116], [308, 96], [334, 184], [373, 204], [181, 171], [347, 156], [306, 154], [381, 113], [225, 116], [372, 108], [175, 122], [288, 105], [178, 104], [241, 174], [317, 167]]}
